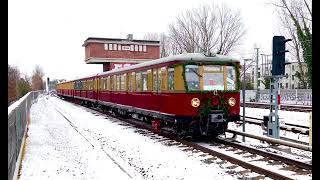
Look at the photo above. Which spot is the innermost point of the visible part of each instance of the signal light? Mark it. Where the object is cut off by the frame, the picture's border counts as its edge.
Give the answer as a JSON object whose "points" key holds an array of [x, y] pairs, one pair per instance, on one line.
{"points": [[278, 55]]}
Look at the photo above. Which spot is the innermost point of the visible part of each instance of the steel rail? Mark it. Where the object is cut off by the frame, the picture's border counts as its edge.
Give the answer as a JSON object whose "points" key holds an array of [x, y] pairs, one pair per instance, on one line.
{"points": [[303, 165], [231, 159], [272, 140]]}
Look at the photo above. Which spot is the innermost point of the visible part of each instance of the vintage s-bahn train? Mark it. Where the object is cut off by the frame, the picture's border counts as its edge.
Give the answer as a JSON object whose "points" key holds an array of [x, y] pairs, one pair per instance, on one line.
{"points": [[192, 94]]}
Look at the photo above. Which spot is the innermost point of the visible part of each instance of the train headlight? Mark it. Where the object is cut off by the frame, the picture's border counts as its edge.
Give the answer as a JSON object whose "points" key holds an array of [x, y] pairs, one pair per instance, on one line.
{"points": [[195, 102], [232, 101]]}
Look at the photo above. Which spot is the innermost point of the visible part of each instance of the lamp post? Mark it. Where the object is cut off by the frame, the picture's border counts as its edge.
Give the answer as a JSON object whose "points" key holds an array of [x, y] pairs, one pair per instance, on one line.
{"points": [[244, 98]]}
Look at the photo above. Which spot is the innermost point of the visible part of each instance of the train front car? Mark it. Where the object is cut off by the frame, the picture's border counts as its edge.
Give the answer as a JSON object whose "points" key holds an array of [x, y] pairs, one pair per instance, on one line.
{"points": [[211, 98]]}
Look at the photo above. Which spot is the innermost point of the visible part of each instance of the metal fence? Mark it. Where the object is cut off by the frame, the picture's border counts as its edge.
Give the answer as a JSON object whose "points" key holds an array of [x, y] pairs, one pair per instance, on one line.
{"points": [[287, 96], [18, 117]]}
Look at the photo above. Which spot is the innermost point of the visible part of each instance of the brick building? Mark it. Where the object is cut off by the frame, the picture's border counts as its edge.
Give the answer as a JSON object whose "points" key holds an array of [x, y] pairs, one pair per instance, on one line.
{"points": [[117, 53]]}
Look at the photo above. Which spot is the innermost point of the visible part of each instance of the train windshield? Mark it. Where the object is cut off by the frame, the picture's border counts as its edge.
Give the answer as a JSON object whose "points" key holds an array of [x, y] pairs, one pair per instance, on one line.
{"points": [[210, 77]]}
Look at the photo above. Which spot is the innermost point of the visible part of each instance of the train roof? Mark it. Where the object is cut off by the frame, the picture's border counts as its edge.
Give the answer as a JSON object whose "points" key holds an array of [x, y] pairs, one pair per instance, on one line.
{"points": [[187, 57]]}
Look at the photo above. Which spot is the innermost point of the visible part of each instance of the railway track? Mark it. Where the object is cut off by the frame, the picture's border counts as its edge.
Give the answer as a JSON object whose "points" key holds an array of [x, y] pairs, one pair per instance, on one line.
{"points": [[294, 166], [296, 128], [286, 107]]}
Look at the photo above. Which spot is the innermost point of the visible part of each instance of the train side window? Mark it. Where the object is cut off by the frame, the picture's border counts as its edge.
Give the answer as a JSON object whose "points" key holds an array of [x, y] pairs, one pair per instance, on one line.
{"points": [[114, 83], [164, 80], [118, 81], [108, 83], [138, 81], [159, 80], [123, 82], [105, 83], [144, 81], [133, 81], [155, 80], [149, 76], [171, 79]]}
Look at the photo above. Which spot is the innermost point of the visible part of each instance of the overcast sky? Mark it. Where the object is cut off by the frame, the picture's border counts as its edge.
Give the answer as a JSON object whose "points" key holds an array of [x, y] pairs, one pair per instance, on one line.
{"points": [[50, 33]]}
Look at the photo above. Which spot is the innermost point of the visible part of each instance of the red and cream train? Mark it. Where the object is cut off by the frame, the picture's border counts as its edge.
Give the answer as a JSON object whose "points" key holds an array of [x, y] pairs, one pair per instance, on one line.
{"points": [[192, 94]]}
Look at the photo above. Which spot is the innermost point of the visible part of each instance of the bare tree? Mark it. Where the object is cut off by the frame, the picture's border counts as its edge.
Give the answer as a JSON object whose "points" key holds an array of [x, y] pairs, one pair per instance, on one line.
{"points": [[166, 47], [207, 29], [37, 81], [13, 81], [296, 18]]}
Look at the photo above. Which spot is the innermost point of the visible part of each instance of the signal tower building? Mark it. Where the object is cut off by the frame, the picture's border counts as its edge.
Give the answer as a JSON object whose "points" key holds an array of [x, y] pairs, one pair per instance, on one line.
{"points": [[117, 53]]}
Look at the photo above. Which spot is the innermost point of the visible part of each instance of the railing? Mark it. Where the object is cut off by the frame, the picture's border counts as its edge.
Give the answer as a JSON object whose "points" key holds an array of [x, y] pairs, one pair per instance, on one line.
{"points": [[288, 96], [18, 118]]}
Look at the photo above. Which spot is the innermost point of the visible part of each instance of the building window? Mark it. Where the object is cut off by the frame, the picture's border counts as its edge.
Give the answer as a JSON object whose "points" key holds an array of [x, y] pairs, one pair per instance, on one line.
{"points": [[106, 46], [132, 47], [286, 85], [144, 48], [292, 77], [110, 46], [140, 48], [119, 47], [136, 48], [114, 46]]}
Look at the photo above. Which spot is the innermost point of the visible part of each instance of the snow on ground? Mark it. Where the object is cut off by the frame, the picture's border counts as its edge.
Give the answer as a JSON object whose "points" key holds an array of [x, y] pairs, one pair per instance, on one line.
{"points": [[82, 145], [54, 150], [299, 118]]}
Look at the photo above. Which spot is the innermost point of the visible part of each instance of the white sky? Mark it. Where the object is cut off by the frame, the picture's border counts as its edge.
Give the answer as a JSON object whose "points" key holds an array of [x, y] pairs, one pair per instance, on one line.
{"points": [[51, 33]]}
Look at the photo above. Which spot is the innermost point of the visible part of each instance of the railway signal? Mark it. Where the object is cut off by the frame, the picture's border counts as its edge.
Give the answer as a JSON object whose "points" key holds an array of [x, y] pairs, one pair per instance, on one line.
{"points": [[278, 71], [278, 55]]}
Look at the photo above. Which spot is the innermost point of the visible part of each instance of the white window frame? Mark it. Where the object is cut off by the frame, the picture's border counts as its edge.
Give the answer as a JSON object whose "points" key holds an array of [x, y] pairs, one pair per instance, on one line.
{"points": [[106, 47], [115, 47], [119, 47], [136, 47], [144, 48], [110, 46], [140, 48]]}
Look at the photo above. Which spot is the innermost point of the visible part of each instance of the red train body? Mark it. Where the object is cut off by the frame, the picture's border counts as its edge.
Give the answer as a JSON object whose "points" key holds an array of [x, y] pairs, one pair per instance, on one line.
{"points": [[191, 93]]}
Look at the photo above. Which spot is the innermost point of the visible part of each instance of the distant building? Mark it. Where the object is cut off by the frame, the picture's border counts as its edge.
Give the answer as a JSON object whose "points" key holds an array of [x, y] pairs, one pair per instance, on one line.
{"points": [[289, 82], [117, 53]]}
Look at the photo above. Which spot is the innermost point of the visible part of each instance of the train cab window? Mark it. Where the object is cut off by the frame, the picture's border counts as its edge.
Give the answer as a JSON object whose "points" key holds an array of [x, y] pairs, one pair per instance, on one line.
{"points": [[171, 78], [138, 81], [231, 78], [144, 81], [193, 77], [213, 77]]}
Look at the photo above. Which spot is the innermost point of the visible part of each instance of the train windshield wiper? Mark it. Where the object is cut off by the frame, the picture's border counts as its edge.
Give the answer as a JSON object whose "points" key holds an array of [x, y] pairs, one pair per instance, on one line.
{"points": [[196, 72]]}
